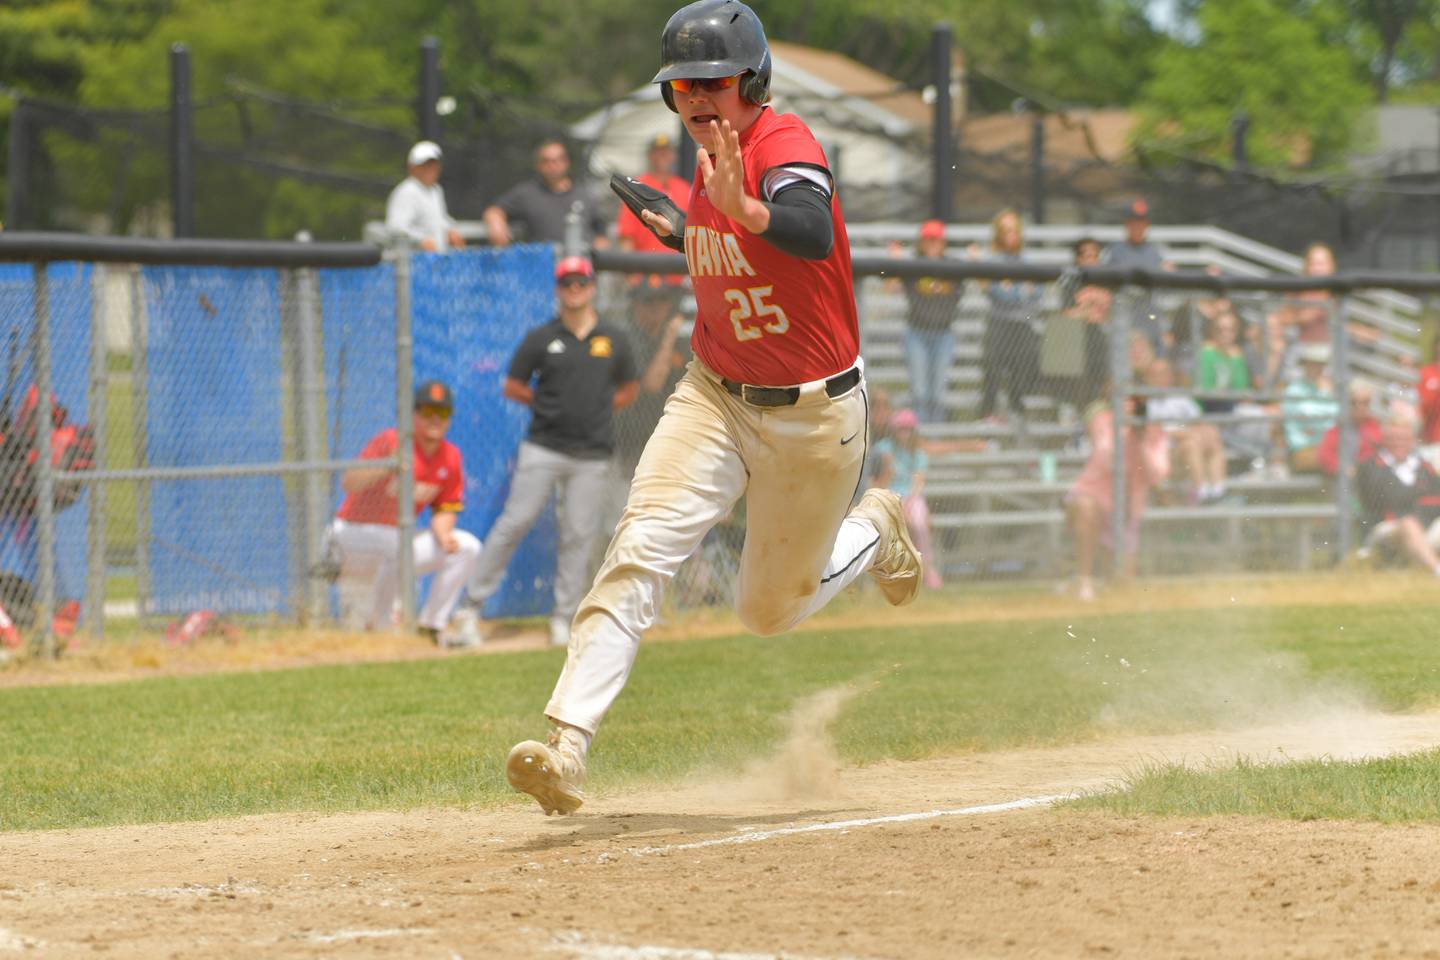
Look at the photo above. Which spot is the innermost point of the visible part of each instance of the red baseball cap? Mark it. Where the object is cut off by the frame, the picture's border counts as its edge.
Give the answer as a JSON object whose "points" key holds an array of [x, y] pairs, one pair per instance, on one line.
{"points": [[1138, 210], [932, 228], [574, 266]]}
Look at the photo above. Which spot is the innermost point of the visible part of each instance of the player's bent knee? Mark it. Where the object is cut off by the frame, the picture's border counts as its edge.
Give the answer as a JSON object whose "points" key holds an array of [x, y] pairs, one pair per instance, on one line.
{"points": [[768, 620], [469, 543]]}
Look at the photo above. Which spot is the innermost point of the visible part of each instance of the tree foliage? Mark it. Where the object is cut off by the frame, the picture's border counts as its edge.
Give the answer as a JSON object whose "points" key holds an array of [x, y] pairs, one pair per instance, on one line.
{"points": [[1300, 68], [1302, 95]]}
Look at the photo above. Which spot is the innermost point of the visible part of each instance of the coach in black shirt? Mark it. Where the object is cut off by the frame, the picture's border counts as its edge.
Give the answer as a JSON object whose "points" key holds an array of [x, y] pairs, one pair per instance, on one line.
{"points": [[574, 373]]}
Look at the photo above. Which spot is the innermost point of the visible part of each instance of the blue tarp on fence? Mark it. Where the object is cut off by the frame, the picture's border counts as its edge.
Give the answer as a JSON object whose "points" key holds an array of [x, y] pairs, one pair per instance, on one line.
{"points": [[471, 310], [214, 397]]}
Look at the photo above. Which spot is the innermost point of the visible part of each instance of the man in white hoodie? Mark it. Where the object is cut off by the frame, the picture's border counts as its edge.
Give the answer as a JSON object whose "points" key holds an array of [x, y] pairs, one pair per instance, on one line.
{"points": [[416, 207]]}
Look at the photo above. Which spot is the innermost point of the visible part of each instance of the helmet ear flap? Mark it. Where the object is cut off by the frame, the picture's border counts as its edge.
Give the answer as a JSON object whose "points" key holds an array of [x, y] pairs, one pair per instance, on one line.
{"points": [[668, 96], [755, 84]]}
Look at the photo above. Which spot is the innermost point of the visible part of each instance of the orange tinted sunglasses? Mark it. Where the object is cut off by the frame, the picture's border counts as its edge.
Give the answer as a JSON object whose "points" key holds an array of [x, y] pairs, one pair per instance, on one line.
{"points": [[709, 85]]}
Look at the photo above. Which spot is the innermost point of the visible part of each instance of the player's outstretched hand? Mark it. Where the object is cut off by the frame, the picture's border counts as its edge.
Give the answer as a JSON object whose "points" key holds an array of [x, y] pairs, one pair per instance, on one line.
{"points": [[724, 177]]}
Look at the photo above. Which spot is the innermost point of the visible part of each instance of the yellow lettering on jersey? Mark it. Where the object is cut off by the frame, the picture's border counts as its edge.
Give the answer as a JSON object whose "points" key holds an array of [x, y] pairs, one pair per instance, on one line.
{"points": [[704, 261], [711, 254], [738, 264]]}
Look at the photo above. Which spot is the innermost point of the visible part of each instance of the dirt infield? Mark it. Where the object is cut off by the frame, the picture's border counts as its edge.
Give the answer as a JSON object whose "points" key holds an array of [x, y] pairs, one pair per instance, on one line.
{"points": [[664, 875]]}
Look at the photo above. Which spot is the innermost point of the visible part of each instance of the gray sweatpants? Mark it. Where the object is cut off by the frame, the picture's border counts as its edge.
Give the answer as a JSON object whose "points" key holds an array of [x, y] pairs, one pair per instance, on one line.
{"points": [[582, 486]]}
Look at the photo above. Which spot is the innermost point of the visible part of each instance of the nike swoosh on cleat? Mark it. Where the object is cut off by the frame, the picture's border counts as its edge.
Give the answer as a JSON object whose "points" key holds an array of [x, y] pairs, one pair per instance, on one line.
{"points": [[849, 438]]}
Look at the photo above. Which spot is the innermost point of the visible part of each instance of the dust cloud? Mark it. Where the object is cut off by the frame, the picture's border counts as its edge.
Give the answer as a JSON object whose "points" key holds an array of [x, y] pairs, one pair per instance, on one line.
{"points": [[806, 766], [1226, 683]]}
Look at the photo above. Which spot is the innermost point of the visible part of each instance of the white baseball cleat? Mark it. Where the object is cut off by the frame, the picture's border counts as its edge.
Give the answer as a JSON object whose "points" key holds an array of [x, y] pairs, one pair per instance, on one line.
{"points": [[559, 632], [464, 630], [551, 773], [896, 567]]}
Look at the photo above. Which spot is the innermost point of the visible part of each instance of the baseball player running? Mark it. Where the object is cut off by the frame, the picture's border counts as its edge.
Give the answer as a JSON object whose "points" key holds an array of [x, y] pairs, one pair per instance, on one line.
{"points": [[773, 408]]}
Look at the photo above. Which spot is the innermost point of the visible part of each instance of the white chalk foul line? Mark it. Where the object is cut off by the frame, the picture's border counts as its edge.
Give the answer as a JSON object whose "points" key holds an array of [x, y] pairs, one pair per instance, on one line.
{"points": [[343, 936], [758, 835], [585, 950]]}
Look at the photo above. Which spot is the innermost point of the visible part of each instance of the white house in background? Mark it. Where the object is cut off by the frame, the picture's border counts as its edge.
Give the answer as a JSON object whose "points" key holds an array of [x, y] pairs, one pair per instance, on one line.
{"points": [[875, 135]]}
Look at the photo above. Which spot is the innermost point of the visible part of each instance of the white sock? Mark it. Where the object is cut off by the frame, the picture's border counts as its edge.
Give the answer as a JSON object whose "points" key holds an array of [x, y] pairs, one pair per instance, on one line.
{"points": [[576, 737]]}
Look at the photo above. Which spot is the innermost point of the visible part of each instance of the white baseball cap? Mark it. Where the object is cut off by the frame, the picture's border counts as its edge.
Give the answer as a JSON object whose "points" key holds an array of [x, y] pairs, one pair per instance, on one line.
{"points": [[423, 152]]}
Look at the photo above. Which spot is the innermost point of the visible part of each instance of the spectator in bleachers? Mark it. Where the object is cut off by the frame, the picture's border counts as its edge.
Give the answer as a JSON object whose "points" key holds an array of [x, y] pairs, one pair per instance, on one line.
{"points": [[630, 233], [1090, 503], [365, 531], [1197, 444], [1400, 494], [1429, 395], [1222, 363], [929, 337], [1091, 304], [1367, 429], [902, 466], [1010, 348], [542, 205], [1303, 319], [416, 207], [1309, 408], [1139, 252]]}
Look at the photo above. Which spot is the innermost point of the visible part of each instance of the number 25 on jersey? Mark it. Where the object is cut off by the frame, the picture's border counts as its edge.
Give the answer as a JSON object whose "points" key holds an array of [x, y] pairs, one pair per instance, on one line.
{"points": [[750, 304]]}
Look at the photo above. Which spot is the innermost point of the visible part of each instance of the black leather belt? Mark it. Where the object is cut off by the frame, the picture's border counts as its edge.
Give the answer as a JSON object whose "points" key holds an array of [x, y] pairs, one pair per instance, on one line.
{"points": [[836, 386]]}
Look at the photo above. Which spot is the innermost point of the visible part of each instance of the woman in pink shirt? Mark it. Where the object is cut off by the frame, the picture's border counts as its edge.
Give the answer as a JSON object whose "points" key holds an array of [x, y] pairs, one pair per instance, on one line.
{"points": [[1089, 502]]}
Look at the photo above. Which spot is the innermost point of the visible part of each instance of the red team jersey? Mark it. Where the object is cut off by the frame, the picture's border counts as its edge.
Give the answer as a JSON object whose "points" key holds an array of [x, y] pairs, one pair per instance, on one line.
{"points": [[444, 469], [763, 316]]}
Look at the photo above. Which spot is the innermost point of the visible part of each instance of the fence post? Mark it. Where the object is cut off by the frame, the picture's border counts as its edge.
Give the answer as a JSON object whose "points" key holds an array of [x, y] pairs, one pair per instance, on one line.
{"points": [[18, 184], [182, 144], [139, 432], [1239, 151], [941, 44], [574, 245], [44, 471], [1037, 165], [312, 445], [98, 418], [429, 94], [1120, 384], [405, 441], [1340, 376]]}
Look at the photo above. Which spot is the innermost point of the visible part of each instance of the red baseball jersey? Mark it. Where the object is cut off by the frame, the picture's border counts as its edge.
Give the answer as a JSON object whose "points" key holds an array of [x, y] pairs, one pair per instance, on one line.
{"points": [[1430, 402], [443, 468], [763, 316]]}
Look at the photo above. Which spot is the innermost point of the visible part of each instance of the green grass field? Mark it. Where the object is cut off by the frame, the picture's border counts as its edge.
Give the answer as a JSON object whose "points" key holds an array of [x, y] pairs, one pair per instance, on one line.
{"points": [[1393, 789], [434, 732]]}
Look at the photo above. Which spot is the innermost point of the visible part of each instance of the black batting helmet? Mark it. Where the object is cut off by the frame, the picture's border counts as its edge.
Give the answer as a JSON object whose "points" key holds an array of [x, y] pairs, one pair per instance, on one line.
{"points": [[715, 38]]}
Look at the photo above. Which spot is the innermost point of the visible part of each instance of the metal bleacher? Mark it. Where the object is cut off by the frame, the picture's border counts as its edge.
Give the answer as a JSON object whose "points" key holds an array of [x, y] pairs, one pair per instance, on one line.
{"points": [[997, 503]]}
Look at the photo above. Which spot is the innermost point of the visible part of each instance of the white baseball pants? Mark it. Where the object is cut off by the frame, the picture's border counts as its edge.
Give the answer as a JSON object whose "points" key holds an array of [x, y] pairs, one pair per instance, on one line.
{"points": [[369, 552], [798, 468], [539, 472]]}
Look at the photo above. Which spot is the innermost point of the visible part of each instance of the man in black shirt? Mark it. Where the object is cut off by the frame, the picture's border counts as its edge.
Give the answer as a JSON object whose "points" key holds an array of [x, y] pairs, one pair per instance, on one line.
{"points": [[541, 205], [573, 373]]}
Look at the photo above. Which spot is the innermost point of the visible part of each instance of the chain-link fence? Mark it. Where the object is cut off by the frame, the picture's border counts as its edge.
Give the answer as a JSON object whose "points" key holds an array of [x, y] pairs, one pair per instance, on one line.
{"points": [[203, 418]]}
